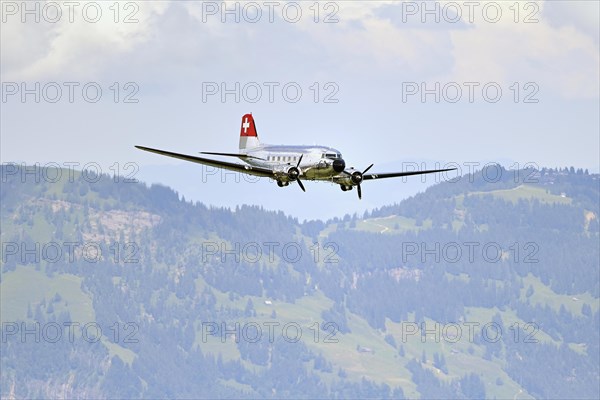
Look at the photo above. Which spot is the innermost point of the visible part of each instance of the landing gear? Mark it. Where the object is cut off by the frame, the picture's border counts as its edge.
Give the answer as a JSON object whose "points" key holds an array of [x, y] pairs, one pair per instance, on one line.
{"points": [[282, 184], [345, 188]]}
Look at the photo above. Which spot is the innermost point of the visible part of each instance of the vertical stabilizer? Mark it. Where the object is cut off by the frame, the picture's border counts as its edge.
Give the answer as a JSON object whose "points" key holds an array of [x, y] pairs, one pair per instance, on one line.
{"points": [[248, 135]]}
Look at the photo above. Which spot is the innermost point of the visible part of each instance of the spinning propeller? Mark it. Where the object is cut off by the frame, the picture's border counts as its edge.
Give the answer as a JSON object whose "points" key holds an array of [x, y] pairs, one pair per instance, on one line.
{"points": [[357, 178], [294, 174]]}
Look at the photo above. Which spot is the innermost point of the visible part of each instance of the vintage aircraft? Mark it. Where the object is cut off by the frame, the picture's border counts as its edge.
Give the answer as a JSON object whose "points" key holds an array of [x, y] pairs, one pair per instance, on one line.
{"points": [[287, 164]]}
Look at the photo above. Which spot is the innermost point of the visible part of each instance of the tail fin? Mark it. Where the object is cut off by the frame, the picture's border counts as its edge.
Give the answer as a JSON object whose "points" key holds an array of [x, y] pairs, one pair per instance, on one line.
{"points": [[248, 135]]}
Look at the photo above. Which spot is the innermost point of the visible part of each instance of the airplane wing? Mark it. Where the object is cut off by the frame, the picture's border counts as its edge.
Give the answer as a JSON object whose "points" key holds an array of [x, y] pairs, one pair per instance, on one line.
{"points": [[246, 169], [398, 174], [238, 155]]}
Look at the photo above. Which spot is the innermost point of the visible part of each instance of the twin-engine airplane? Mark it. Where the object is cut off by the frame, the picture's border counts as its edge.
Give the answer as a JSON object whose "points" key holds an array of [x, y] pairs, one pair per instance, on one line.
{"points": [[287, 164]]}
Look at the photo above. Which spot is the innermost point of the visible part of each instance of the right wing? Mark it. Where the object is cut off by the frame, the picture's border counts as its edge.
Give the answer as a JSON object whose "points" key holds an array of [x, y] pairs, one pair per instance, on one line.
{"points": [[246, 169], [398, 174]]}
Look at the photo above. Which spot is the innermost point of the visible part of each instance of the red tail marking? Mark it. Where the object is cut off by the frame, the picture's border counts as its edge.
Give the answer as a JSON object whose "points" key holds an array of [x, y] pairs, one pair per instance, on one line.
{"points": [[248, 128]]}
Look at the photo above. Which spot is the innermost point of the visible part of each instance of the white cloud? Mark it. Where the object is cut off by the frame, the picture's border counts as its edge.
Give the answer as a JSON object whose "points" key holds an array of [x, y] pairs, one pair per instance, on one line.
{"points": [[562, 60], [581, 15], [370, 36], [73, 49]]}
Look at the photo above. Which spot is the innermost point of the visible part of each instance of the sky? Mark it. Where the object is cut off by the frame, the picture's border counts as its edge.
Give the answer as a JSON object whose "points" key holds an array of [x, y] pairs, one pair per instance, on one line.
{"points": [[389, 83]]}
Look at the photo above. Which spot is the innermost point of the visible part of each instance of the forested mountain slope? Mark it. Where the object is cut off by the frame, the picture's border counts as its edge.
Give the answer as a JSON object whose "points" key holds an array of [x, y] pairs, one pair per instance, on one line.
{"points": [[483, 287]]}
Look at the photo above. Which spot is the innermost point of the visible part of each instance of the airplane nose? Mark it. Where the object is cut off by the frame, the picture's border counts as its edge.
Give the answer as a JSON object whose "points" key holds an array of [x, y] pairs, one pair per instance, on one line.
{"points": [[339, 165]]}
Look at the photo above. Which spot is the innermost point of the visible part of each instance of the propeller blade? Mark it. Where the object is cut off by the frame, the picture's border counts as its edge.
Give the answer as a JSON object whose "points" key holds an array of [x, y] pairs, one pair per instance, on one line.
{"points": [[299, 161], [301, 185], [359, 192]]}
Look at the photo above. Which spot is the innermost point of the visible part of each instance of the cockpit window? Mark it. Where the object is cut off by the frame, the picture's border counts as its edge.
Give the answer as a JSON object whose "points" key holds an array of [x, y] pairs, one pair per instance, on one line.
{"points": [[331, 155]]}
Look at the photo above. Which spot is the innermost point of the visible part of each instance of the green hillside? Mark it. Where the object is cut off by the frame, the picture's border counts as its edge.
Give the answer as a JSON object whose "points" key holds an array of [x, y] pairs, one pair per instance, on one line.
{"points": [[471, 289]]}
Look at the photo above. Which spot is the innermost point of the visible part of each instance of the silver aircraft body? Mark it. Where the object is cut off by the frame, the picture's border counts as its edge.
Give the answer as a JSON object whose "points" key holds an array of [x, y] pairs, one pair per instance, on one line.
{"points": [[287, 164]]}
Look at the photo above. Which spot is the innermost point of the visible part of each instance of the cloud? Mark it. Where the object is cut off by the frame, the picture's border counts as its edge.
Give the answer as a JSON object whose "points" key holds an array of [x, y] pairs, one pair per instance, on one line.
{"points": [[73, 47], [179, 40], [563, 60], [583, 16]]}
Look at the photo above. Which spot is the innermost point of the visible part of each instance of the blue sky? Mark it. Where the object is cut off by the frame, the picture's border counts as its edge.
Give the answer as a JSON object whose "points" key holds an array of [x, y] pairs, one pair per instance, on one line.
{"points": [[542, 56]]}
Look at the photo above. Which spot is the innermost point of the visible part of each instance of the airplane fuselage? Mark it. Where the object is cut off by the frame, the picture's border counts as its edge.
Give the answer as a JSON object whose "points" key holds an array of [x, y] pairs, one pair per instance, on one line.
{"points": [[318, 162]]}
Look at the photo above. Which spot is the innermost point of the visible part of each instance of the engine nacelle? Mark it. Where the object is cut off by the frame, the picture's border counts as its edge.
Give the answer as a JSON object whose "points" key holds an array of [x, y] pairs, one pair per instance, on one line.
{"points": [[351, 177], [287, 173]]}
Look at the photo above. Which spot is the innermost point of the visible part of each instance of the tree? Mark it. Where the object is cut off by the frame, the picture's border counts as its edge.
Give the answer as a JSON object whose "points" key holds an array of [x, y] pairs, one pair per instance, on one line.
{"points": [[249, 310]]}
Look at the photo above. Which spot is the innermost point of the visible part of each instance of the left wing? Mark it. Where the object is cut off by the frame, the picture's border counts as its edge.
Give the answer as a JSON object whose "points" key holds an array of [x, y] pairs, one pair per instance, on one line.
{"points": [[246, 169], [238, 155], [398, 174]]}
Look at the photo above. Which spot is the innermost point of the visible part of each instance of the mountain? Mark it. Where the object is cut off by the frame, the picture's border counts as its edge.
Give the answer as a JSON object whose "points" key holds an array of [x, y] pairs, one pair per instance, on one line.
{"points": [[224, 188], [486, 286]]}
